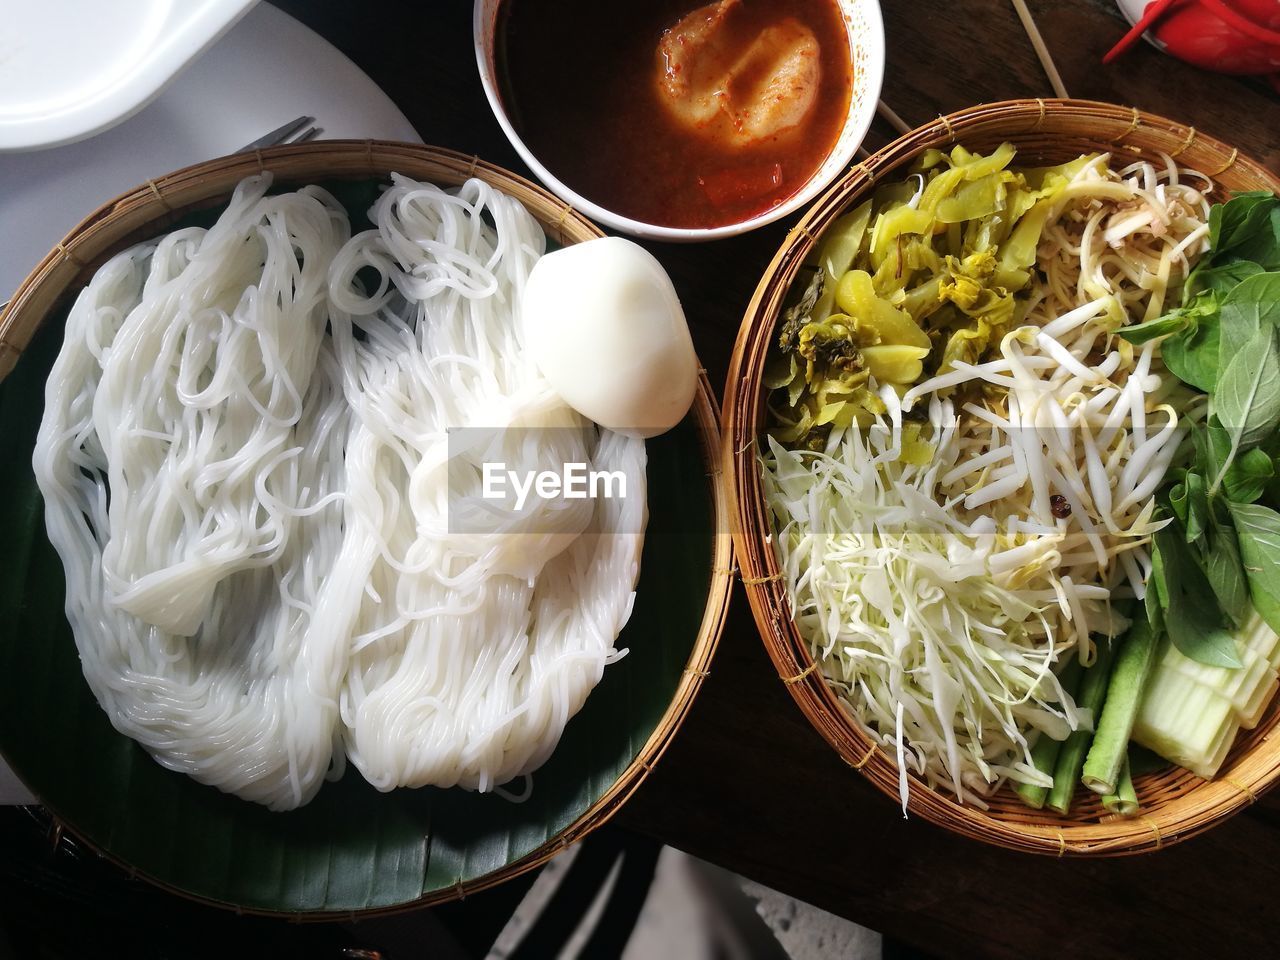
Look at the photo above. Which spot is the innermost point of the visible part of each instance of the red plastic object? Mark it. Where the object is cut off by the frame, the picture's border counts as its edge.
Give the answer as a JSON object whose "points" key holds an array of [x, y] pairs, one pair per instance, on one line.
{"points": [[1150, 15], [1229, 36]]}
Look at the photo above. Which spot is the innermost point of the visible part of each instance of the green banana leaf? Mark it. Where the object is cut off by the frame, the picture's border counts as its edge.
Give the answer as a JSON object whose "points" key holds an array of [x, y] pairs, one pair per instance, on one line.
{"points": [[352, 848]]}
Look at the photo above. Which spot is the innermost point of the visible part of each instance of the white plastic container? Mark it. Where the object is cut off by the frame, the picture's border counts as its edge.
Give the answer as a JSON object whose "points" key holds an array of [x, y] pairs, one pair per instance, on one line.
{"points": [[73, 68]]}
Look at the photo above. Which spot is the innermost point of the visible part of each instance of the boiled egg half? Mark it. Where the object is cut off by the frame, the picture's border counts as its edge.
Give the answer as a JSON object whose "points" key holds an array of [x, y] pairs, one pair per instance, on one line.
{"points": [[605, 327]]}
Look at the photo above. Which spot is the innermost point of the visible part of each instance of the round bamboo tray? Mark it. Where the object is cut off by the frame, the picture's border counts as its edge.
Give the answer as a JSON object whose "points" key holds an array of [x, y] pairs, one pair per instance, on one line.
{"points": [[154, 206], [1175, 803]]}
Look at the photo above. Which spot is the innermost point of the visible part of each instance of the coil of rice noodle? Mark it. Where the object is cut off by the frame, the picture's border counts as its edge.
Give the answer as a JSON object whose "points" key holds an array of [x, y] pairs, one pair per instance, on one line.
{"points": [[274, 555]]}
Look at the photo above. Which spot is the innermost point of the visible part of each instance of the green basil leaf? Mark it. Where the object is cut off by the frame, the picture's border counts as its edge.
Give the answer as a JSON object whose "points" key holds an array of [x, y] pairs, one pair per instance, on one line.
{"points": [[1252, 304], [1184, 319], [1197, 506], [1179, 502], [1239, 220], [1157, 595], [1219, 280], [1175, 321], [1157, 574], [1211, 445], [1225, 572], [1258, 533], [1193, 354], [1187, 317], [1247, 401], [1198, 629], [1248, 476], [1261, 243]]}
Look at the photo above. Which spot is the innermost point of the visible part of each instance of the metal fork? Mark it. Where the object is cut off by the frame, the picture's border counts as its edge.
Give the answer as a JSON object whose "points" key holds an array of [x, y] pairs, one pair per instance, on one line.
{"points": [[291, 132]]}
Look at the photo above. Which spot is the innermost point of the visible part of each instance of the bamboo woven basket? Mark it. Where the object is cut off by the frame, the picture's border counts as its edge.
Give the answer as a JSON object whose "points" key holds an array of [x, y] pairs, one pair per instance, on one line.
{"points": [[1175, 803], [152, 207]]}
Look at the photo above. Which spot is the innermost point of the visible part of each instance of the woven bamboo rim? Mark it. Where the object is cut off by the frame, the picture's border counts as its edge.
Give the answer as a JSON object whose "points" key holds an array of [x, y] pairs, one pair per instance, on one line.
{"points": [[150, 208], [1176, 804]]}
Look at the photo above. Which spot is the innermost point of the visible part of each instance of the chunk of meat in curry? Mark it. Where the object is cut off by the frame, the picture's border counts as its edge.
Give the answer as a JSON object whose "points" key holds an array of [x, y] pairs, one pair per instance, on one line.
{"points": [[744, 86]]}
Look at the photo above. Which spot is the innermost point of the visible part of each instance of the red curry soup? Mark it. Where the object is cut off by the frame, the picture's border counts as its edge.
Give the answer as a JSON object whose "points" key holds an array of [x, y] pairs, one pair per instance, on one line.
{"points": [[677, 114]]}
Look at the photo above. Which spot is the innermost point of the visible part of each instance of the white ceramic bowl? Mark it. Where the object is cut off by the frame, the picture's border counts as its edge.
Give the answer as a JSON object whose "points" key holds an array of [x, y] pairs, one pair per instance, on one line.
{"points": [[866, 41]]}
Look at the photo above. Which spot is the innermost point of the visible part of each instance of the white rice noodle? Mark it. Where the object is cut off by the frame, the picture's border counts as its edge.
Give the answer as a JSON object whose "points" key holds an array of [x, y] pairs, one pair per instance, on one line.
{"points": [[476, 643], [268, 547], [206, 411]]}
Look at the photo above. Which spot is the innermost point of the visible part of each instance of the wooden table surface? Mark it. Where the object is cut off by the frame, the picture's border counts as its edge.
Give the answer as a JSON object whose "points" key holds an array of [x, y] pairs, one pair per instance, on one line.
{"points": [[747, 783]]}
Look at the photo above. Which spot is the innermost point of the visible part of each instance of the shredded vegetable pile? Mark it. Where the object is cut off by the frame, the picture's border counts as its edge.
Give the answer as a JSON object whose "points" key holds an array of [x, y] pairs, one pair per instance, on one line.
{"points": [[964, 455]]}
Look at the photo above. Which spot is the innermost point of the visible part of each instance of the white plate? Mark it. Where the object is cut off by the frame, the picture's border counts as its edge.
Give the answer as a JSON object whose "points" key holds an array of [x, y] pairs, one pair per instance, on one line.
{"points": [[70, 68], [267, 70]]}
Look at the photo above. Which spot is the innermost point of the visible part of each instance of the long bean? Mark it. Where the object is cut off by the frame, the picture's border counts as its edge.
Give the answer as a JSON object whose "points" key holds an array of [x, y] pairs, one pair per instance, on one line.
{"points": [[1044, 754], [1124, 802], [1093, 690], [1124, 691]]}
